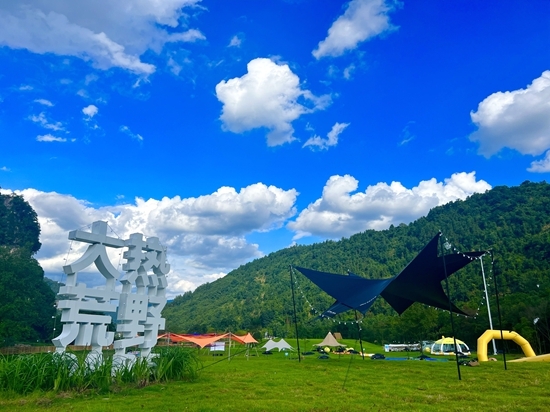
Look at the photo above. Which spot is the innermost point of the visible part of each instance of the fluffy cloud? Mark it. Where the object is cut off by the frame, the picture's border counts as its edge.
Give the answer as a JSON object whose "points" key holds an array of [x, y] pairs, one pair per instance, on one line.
{"points": [[90, 111], [108, 33], [339, 213], [519, 120], [317, 142], [362, 20], [541, 166], [205, 236], [268, 96]]}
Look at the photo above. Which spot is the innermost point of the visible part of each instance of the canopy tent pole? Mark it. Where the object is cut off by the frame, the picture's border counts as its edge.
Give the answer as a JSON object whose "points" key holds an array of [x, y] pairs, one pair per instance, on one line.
{"points": [[498, 310], [359, 333], [488, 305], [450, 304], [229, 343], [295, 319]]}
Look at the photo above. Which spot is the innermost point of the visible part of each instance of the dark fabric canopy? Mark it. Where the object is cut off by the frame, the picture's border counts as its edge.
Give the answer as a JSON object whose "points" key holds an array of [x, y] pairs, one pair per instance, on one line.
{"points": [[420, 281], [350, 292]]}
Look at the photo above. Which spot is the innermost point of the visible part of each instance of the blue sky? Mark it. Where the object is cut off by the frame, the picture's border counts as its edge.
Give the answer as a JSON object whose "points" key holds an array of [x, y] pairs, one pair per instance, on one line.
{"points": [[231, 129]]}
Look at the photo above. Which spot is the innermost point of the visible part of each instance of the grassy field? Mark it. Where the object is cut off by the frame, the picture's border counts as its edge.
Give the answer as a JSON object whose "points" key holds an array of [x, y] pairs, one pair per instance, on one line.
{"points": [[341, 383]]}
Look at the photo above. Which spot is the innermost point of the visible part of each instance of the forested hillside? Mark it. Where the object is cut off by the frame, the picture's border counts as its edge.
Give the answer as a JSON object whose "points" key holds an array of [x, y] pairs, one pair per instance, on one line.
{"points": [[513, 222], [26, 301]]}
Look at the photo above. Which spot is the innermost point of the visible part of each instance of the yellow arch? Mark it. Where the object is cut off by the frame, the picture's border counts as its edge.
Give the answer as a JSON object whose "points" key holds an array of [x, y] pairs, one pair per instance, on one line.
{"points": [[489, 334]]}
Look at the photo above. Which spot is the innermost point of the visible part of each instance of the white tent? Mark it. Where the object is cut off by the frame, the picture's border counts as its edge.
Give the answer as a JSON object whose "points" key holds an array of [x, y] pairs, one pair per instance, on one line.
{"points": [[329, 340], [281, 345]]}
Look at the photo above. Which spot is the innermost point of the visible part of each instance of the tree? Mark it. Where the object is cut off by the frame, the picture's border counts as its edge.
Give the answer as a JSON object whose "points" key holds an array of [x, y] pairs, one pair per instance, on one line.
{"points": [[27, 302], [18, 223]]}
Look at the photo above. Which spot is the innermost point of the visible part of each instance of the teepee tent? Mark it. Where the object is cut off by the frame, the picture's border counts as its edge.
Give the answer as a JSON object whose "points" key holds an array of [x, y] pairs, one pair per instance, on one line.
{"points": [[329, 340]]}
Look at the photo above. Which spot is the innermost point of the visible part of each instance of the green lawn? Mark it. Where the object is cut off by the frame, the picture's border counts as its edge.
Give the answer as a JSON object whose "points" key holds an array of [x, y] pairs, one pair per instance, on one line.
{"points": [[341, 383]]}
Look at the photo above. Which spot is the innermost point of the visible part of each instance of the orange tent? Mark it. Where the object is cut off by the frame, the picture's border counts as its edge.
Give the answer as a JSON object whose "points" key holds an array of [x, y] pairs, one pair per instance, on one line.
{"points": [[244, 339], [208, 339]]}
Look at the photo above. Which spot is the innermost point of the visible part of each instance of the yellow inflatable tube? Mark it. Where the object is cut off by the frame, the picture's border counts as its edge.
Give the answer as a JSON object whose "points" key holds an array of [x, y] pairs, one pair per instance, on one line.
{"points": [[489, 334]]}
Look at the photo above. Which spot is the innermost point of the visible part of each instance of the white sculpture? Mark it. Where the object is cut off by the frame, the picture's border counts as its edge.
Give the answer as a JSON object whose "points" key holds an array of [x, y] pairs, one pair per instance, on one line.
{"points": [[140, 302]]}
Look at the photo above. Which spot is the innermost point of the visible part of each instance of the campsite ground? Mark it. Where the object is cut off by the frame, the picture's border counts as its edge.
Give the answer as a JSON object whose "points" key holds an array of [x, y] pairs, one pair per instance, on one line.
{"points": [[341, 383]]}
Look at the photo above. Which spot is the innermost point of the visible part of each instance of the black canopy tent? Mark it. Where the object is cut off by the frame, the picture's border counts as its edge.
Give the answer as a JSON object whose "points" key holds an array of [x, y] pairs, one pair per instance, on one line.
{"points": [[420, 281]]}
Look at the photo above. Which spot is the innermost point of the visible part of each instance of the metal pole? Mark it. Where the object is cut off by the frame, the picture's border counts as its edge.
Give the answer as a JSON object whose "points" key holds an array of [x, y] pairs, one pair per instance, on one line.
{"points": [[450, 305], [359, 332], [295, 320], [488, 305], [498, 310]]}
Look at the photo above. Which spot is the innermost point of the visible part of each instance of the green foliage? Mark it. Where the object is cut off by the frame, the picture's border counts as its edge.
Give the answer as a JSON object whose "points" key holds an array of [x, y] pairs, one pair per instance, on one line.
{"points": [[55, 372], [513, 222], [27, 303], [18, 223]]}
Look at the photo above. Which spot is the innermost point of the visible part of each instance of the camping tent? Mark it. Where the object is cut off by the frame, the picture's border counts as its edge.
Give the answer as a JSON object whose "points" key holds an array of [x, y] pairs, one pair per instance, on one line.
{"points": [[419, 281], [329, 340], [446, 346], [281, 345], [246, 339]]}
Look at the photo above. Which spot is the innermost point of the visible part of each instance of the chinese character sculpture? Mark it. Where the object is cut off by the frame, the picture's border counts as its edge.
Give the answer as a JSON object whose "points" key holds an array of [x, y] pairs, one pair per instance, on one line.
{"points": [[86, 312]]}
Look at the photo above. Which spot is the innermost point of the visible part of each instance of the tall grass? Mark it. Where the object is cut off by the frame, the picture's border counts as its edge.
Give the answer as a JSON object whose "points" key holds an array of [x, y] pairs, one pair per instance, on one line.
{"points": [[23, 374]]}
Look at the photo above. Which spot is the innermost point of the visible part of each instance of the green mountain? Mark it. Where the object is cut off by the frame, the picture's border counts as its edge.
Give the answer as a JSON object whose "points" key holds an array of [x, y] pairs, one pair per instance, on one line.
{"points": [[512, 222]]}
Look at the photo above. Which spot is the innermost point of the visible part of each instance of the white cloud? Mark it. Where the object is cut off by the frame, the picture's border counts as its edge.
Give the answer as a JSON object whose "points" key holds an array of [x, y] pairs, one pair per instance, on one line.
{"points": [[190, 36], [44, 102], [348, 71], [268, 96], [235, 41], [49, 138], [362, 20], [90, 78], [90, 111], [318, 142], [43, 121], [519, 120], [205, 236], [108, 33], [339, 213], [4, 169], [541, 166], [126, 130], [24, 87], [406, 134]]}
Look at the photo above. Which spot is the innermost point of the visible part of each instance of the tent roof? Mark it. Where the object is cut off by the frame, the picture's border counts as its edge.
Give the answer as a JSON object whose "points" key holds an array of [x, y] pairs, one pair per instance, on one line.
{"points": [[248, 338], [207, 339], [203, 341], [329, 340], [270, 344], [282, 344], [445, 340], [420, 281]]}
